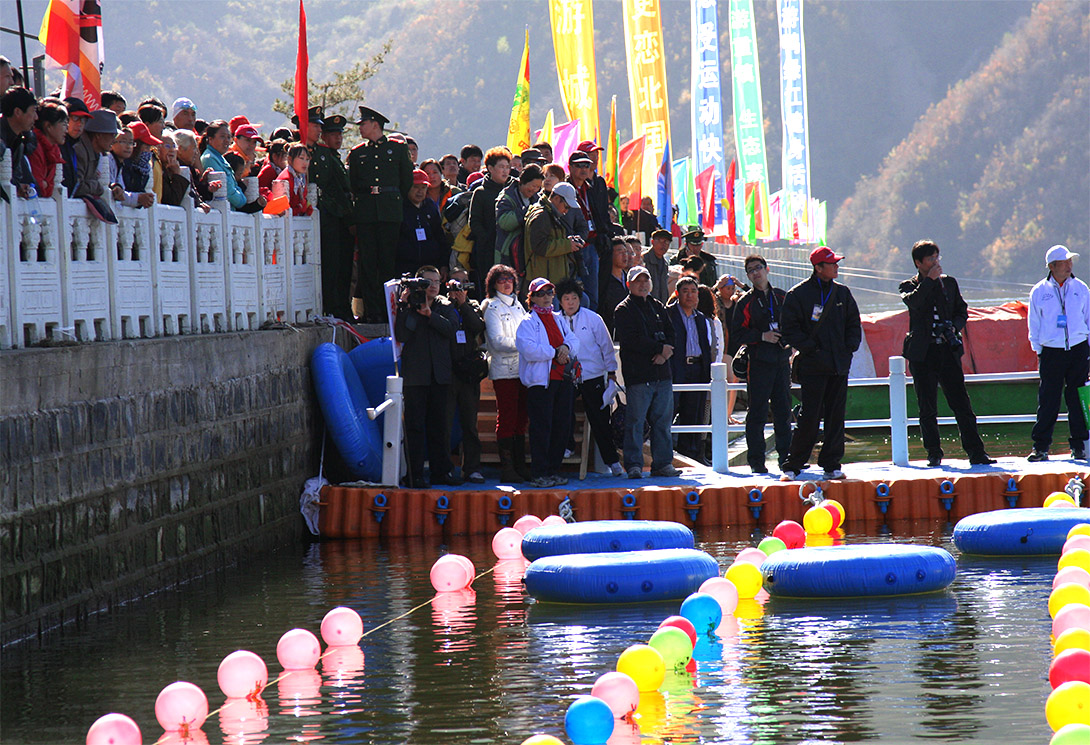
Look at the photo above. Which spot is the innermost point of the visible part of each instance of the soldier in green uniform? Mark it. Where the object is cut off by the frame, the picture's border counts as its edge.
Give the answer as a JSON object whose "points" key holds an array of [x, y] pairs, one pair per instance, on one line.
{"points": [[328, 171], [380, 173], [694, 241], [314, 118]]}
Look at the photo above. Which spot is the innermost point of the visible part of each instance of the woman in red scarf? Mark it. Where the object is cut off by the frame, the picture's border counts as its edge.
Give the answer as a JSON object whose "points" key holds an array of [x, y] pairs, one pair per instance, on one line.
{"points": [[547, 355]]}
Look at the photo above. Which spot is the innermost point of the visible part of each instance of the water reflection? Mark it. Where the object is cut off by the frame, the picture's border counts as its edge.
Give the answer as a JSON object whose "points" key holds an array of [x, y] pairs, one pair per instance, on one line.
{"points": [[454, 616], [244, 721]]}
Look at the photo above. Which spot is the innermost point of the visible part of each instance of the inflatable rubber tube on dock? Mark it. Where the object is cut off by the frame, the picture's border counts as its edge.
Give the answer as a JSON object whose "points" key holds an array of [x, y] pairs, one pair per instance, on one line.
{"points": [[859, 570], [344, 403], [625, 577], [1030, 531], [605, 536], [374, 361]]}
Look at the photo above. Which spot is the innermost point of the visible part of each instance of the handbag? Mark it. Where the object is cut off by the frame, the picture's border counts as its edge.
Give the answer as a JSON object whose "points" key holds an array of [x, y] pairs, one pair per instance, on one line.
{"points": [[472, 368], [740, 364]]}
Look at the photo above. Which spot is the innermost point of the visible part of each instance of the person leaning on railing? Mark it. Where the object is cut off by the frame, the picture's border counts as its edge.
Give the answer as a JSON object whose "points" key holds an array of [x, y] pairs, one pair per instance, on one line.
{"points": [[98, 135], [214, 145], [201, 186], [49, 129], [18, 109]]}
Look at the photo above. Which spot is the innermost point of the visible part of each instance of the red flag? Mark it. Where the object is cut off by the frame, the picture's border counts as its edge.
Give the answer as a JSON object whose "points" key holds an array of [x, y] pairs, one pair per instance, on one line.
{"points": [[732, 234], [302, 62], [705, 184], [70, 33], [631, 171]]}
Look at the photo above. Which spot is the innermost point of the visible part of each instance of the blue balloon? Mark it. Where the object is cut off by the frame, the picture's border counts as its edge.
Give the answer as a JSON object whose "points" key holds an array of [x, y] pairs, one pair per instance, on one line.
{"points": [[589, 721], [703, 611]]}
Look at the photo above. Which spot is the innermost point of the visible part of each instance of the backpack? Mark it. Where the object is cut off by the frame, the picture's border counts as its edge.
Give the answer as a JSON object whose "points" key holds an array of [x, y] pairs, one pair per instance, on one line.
{"points": [[456, 212]]}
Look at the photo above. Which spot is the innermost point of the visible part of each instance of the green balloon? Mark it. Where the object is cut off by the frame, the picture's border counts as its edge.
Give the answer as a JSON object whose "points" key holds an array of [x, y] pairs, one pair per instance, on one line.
{"points": [[1071, 734], [771, 545], [674, 646]]}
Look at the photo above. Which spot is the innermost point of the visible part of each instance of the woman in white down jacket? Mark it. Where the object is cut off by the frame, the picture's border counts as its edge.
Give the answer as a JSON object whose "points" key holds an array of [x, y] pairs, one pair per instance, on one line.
{"points": [[502, 315]]}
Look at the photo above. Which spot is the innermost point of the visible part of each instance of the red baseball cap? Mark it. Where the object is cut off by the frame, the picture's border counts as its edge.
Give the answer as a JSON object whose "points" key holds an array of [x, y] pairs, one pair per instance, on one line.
{"points": [[588, 146], [420, 177], [824, 255], [141, 133], [248, 130]]}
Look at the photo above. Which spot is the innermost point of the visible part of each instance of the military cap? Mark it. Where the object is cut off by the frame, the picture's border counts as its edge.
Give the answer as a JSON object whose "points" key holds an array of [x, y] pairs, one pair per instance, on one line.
{"points": [[335, 123], [532, 155], [694, 236], [314, 114], [369, 114]]}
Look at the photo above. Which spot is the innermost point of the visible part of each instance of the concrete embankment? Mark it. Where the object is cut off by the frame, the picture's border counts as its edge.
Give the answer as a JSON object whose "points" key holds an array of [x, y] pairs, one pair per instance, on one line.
{"points": [[131, 466]]}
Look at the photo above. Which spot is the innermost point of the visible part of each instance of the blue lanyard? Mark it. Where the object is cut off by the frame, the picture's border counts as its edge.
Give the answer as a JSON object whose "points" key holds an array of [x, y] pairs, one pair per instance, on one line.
{"points": [[825, 297]]}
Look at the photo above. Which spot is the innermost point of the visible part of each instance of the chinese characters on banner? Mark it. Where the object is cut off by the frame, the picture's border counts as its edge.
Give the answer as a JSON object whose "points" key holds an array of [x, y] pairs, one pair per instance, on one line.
{"points": [[647, 84], [796, 137], [573, 44], [749, 134], [707, 98]]}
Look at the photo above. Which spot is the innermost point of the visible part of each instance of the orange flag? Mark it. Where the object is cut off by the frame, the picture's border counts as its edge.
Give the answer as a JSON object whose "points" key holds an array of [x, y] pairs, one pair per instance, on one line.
{"points": [[70, 33], [630, 178]]}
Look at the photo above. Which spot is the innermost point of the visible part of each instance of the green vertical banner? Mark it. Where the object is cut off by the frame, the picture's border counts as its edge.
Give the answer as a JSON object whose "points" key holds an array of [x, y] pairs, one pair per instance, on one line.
{"points": [[749, 136]]}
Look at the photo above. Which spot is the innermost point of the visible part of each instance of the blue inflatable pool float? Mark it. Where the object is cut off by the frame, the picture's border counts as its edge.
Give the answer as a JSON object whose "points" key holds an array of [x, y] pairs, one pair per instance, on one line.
{"points": [[605, 536], [344, 402], [1031, 531], [626, 577], [869, 569]]}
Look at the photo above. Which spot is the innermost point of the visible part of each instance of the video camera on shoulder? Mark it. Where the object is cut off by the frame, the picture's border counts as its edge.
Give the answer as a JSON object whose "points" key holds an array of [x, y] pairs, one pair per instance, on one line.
{"points": [[417, 288]]}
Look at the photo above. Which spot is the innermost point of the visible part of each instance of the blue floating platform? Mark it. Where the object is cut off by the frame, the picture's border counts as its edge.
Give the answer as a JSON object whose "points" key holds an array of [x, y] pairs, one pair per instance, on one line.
{"points": [[624, 577], [1032, 531], [605, 536], [859, 570]]}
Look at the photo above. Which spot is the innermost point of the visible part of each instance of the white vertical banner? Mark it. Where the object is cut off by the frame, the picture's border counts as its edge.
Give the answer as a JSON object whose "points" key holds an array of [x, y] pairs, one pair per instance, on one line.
{"points": [[796, 136], [707, 97]]}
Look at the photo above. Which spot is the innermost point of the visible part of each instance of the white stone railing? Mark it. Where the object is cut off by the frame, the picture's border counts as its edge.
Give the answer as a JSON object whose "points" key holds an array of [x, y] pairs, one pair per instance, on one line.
{"points": [[160, 271]]}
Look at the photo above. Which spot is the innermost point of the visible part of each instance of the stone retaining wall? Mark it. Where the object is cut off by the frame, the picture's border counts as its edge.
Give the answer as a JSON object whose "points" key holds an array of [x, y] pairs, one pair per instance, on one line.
{"points": [[127, 467]]}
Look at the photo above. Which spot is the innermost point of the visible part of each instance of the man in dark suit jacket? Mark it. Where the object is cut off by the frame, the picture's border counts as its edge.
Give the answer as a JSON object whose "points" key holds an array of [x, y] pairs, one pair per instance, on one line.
{"points": [[937, 315], [426, 333], [691, 364]]}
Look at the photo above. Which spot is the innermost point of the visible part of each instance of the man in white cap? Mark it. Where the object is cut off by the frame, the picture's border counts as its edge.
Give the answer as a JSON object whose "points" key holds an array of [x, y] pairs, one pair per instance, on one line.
{"points": [[184, 113], [1059, 326]]}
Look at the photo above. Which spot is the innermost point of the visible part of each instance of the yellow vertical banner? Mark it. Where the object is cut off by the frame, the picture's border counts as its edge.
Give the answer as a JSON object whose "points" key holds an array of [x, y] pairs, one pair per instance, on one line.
{"points": [[647, 83], [573, 43], [518, 131]]}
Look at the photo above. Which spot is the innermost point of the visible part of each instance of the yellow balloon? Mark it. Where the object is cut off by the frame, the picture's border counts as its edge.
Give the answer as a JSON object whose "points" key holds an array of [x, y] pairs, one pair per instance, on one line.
{"points": [[1073, 638], [746, 577], [1080, 529], [817, 520], [542, 740], [1069, 703], [1069, 592], [1059, 496], [1076, 557], [644, 665]]}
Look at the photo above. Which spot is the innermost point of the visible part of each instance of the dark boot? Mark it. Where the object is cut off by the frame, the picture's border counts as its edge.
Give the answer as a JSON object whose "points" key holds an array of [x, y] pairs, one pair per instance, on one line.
{"points": [[519, 457], [508, 474]]}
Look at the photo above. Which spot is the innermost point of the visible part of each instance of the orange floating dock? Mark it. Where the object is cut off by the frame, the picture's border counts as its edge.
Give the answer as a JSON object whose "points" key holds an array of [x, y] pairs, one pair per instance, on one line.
{"points": [[872, 491]]}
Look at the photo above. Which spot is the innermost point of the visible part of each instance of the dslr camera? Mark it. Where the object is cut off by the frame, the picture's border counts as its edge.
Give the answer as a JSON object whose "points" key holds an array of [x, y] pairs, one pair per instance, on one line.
{"points": [[455, 285], [945, 330], [418, 290]]}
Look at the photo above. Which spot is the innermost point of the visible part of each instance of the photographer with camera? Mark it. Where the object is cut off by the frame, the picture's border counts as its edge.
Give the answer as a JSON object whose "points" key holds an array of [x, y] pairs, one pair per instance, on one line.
{"points": [[470, 368], [937, 314], [425, 326]]}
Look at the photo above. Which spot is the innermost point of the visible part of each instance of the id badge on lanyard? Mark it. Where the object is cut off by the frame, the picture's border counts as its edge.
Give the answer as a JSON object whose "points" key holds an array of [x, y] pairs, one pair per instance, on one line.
{"points": [[1061, 321], [816, 314]]}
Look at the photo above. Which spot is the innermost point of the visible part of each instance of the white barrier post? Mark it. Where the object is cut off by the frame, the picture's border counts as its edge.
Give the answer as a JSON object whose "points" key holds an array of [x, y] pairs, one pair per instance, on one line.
{"points": [[898, 410], [720, 455], [391, 430]]}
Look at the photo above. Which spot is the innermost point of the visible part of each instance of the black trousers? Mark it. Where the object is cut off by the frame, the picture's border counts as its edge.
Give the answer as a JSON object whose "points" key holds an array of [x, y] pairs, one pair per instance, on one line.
{"points": [[549, 409], [823, 398], [1062, 371], [377, 243], [464, 402], [942, 368], [338, 246], [591, 391], [424, 440], [768, 383], [690, 408]]}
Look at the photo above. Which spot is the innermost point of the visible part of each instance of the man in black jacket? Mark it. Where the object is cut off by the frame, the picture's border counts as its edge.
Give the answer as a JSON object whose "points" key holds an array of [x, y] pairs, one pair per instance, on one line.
{"points": [[426, 332], [821, 320], [646, 337], [469, 369], [937, 315], [692, 364], [756, 323]]}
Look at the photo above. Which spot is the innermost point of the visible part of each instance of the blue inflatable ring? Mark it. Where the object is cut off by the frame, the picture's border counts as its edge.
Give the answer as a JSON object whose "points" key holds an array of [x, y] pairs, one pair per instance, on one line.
{"points": [[626, 577], [1030, 531], [869, 569], [604, 536], [344, 403]]}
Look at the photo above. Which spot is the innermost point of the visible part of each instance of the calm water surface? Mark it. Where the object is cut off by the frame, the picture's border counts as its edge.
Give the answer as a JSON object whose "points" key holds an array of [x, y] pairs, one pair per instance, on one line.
{"points": [[484, 666]]}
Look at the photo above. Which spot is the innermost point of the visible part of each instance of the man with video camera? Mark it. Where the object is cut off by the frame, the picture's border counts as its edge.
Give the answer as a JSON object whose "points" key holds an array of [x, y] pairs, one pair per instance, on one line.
{"points": [[426, 325], [937, 315], [469, 368]]}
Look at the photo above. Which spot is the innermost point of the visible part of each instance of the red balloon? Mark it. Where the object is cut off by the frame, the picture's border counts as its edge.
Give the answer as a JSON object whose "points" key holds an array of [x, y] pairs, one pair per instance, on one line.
{"points": [[835, 511], [682, 623], [791, 533], [1071, 664]]}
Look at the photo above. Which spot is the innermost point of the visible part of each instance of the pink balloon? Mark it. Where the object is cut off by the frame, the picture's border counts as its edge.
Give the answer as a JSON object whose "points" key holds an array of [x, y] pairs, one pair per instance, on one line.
{"points": [[1071, 616], [298, 649], [1078, 575], [554, 520], [242, 674], [240, 717], [723, 590], [472, 570], [1076, 541], [619, 691], [753, 555], [682, 623], [342, 627], [448, 574], [526, 523], [507, 544], [791, 533], [181, 706], [114, 729]]}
